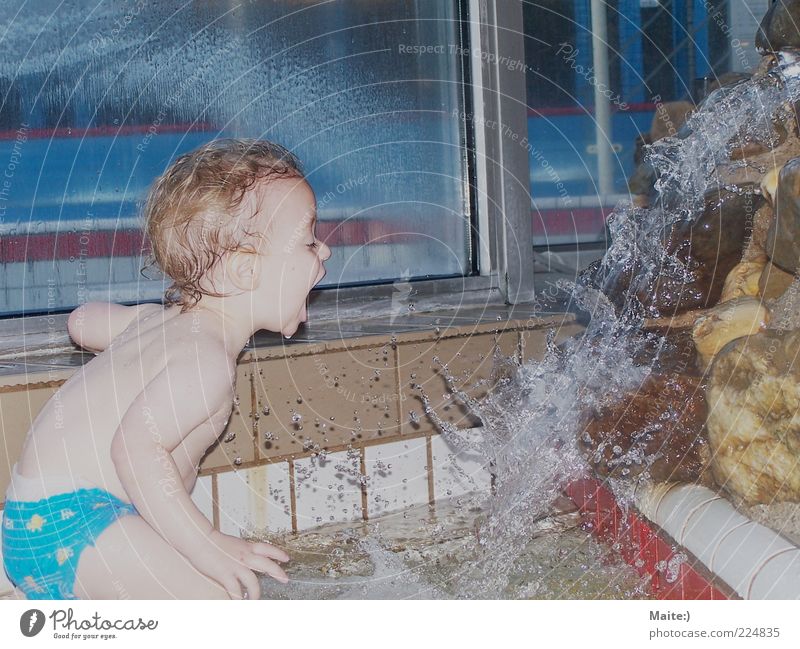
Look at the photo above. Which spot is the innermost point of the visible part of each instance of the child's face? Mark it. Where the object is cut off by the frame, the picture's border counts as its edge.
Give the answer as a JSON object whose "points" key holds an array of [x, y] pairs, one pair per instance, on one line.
{"points": [[292, 257]]}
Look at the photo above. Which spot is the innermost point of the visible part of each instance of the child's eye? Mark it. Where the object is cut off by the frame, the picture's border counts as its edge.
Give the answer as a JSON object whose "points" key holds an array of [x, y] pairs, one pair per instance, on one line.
{"points": [[312, 245]]}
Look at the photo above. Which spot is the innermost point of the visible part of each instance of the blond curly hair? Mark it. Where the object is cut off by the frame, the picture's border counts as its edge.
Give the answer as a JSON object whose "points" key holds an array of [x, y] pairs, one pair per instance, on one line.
{"points": [[192, 214]]}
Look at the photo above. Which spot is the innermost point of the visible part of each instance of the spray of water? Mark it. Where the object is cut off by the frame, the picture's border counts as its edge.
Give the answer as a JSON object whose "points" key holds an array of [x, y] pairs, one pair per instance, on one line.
{"points": [[686, 169], [531, 420]]}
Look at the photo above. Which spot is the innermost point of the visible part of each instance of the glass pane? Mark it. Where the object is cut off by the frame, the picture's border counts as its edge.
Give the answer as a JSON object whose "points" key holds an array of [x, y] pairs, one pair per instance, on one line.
{"points": [[99, 97], [657, 60]]}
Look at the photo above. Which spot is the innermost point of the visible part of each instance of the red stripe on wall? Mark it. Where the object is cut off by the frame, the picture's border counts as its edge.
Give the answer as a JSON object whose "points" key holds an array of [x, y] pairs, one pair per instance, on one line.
{"points": [[352, 232]]}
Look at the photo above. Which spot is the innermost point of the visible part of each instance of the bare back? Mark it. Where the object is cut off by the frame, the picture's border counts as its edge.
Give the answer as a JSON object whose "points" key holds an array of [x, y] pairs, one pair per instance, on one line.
{"points": [[72, 434]]}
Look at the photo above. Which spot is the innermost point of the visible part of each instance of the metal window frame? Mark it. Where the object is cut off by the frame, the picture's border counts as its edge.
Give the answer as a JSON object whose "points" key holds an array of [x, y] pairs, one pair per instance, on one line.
{"points": [[500, 120], [504, 243]]}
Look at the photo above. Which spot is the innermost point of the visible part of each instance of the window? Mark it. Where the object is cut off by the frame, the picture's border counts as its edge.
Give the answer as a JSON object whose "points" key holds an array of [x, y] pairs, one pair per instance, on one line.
{"points": [[99, 97], [635, 57]]}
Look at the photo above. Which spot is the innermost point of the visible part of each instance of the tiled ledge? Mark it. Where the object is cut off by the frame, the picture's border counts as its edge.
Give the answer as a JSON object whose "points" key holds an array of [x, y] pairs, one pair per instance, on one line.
{"points": [[340, 388]]}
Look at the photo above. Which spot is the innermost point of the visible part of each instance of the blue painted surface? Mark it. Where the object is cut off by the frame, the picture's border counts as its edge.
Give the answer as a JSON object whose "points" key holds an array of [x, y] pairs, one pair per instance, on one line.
{"points": [[562, 143], [105, 177], [70, 178]]}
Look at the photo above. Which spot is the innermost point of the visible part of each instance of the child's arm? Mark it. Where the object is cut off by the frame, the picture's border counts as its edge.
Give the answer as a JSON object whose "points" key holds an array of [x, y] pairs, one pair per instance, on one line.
{"points": [[195, 386], [95, 324]]}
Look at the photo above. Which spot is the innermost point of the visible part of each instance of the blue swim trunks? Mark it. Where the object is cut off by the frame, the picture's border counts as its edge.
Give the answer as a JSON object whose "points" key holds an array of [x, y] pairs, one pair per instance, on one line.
{"points": [[43, 539]]}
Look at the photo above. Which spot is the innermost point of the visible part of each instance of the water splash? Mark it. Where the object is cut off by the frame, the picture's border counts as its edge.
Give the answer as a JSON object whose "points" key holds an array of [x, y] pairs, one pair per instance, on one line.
{"points": [[686, 169], [532, 419]]}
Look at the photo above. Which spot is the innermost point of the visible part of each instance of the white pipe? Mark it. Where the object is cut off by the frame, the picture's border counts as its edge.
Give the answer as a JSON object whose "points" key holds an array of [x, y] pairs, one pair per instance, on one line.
{"points": [[602, 104], [752, 559]]}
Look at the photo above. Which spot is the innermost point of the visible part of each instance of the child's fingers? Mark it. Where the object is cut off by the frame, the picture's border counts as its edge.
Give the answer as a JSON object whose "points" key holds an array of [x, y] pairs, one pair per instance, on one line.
{"points": [[250, 582], [267, 550], [232, 586], [269, 567]]}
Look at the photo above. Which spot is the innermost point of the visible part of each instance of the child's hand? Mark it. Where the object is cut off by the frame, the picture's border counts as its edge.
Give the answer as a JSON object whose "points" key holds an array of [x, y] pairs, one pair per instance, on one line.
{"points": [[231, 561]]}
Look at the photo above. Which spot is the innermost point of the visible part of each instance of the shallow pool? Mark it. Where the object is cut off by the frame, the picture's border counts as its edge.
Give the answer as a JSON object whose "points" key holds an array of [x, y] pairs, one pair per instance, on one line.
{"points": [[434, 553]]}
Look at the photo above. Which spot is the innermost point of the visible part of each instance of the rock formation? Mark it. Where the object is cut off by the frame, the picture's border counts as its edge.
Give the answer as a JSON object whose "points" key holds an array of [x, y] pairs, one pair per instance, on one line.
{"points": [[731, 408], [754, 418]]}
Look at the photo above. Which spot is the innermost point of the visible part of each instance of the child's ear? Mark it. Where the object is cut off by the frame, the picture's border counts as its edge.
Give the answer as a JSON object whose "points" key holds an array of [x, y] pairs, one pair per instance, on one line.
{"points": [[244, 270]]}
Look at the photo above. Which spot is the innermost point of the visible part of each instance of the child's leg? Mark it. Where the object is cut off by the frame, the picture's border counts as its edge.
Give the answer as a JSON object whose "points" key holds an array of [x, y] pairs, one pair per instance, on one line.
{"points": [[130, 560]]}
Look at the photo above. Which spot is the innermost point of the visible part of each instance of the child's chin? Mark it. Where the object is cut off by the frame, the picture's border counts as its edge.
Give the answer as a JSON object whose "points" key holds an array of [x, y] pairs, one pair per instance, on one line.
{"points": [[290, 330]]}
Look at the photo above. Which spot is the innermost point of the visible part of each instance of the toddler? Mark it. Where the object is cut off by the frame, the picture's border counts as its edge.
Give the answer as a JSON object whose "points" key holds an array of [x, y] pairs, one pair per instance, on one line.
{"points": [[99, 504]]}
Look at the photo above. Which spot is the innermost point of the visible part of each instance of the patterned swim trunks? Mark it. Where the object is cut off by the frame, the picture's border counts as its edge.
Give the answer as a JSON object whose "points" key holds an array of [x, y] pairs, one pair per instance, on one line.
{"points": [[43, 539]]}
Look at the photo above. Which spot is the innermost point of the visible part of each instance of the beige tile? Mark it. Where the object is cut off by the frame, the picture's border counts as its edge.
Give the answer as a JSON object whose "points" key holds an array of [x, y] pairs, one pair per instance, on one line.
{"points": [[328, 489], [236, 445], [327, 401], [397, 475], [470, 361], [458, 472], [534, 342], [17, 411]]}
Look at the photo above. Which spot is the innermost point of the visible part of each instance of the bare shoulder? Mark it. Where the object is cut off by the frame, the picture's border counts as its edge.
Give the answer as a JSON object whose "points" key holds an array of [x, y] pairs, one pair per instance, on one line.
{"points": [[201, 363], [95, 324]]}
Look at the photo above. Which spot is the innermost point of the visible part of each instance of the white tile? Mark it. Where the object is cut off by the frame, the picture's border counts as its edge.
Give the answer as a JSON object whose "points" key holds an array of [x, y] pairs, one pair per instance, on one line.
{"points": [[275, 503], [201, 497], [397, 476], [255, 500], [456, 473], [327, 490], [233, 502]]}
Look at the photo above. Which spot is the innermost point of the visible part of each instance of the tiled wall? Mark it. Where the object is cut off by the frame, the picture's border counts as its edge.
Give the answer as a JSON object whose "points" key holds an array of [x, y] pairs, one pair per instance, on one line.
{"points": [[333, 431]]}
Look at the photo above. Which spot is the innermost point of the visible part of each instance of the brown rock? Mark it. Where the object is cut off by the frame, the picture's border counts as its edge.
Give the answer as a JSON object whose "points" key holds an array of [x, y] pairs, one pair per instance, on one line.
{"points": [[783, 238], [668, 119], [658, 429], [754, 423], [779, 27], [710, 247], [774, 282]]}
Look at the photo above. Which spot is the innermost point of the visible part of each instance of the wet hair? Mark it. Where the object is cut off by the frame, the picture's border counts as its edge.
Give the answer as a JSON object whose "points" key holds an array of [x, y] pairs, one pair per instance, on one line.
{"points": [[192, 214]]}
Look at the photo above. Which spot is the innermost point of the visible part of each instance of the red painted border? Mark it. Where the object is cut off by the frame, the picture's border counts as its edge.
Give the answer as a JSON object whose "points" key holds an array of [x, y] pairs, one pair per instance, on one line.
{"points": [[50, 246], [639, 543]]}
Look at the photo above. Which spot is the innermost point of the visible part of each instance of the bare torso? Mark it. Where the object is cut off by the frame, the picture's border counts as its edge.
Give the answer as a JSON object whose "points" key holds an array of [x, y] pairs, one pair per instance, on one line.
{"points": [[72, 434]]}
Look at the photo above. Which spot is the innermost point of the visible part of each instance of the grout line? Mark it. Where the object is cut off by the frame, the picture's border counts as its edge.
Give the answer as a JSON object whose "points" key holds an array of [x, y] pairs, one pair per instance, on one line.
{"points": [[399, 411], [214, 502], [363, 469], [253, 408], [429, 452], [292, 496], [288, 457]]}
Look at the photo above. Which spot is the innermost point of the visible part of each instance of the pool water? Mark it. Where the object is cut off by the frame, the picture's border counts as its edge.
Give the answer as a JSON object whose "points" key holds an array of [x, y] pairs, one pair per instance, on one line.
{"points": [[435, 553]]}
